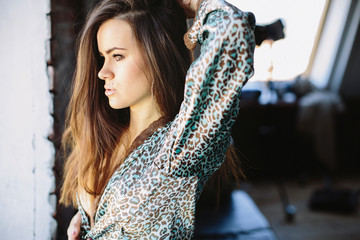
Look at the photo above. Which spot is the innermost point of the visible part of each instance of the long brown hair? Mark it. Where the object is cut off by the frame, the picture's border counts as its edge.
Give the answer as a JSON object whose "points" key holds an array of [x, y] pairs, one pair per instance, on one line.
{"points": [[93, 128]]}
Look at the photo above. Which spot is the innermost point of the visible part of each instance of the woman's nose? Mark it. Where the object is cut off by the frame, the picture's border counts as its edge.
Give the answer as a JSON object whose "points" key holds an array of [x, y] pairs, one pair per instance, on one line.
{"points": [[105, 74]]}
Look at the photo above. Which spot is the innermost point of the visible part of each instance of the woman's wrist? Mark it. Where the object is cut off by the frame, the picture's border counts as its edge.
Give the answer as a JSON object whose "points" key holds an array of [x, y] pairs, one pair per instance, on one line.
{"points": [[190, 6], [194, 4]]}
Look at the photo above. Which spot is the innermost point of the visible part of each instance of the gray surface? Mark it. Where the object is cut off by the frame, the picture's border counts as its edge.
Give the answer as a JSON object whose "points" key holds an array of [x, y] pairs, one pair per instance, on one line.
{"points": [[241, 219]]}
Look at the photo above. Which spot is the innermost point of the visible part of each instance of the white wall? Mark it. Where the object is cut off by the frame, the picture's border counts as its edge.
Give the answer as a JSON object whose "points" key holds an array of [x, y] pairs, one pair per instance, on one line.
{"points": [[26, 156]]}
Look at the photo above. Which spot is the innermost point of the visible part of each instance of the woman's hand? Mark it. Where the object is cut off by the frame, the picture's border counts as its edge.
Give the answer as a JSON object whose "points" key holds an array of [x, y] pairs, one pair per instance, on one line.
{"points": [[190, 6], [73, 230]]}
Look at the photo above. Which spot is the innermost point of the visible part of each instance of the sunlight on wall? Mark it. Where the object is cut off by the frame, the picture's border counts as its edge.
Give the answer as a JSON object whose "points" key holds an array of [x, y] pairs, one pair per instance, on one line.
{"points": [[26, 155], [290, 56]]}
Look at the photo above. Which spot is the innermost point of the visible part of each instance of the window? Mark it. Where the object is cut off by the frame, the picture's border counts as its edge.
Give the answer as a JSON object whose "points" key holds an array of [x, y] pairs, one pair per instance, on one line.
{"points": [[290, 56]]}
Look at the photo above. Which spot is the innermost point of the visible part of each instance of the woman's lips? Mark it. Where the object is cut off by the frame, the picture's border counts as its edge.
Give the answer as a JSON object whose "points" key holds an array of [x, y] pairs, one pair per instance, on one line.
{"points": [[109, 92]]}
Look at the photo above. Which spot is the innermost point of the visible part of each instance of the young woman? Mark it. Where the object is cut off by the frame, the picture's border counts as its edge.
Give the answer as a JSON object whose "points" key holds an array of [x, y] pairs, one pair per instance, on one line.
{"points": [[146, 130]]}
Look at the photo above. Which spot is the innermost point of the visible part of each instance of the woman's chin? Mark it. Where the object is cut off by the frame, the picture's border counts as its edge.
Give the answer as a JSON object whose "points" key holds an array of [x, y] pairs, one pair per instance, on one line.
{"points": [[116, 105]]}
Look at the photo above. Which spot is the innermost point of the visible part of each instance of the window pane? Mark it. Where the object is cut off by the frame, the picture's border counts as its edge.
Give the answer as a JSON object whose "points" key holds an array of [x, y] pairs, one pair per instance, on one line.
{"points": [[290, 56]]}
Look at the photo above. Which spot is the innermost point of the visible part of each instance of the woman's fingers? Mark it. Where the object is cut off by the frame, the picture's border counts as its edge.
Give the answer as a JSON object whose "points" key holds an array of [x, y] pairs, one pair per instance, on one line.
{"points": [[73, 230]]}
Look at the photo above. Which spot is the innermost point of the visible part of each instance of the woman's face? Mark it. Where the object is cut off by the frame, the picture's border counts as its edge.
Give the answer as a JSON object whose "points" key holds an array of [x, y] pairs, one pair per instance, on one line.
{"points": [[124, 70]]}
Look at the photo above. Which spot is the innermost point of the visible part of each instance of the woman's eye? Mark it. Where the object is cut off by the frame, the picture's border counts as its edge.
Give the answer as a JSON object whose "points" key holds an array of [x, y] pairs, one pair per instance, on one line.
{"points": [[118, 57]]}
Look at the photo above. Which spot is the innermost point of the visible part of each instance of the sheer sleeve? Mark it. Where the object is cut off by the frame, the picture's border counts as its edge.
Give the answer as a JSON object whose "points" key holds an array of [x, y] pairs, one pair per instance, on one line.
{"points": [[201, 131]]}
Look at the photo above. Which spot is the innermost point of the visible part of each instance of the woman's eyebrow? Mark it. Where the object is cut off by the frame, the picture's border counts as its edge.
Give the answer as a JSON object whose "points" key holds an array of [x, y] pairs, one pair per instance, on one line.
{"points": [[114, 48]]}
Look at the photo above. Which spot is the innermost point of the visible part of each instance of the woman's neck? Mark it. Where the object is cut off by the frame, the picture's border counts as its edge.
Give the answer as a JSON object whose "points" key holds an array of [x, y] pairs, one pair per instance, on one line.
{"points": [[141, 118]]}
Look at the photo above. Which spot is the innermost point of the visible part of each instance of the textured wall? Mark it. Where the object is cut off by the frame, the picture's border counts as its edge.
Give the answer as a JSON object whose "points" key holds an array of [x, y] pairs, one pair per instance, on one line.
{"points": [[26, 155]]}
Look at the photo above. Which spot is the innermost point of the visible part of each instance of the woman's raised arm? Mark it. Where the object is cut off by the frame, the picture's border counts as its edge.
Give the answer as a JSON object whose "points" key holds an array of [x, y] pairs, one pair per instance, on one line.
{"points": [[213, 86]]}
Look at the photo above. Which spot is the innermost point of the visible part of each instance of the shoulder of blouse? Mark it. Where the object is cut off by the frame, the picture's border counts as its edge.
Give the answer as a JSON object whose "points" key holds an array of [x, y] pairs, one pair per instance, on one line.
{"points": [[204, 9]]}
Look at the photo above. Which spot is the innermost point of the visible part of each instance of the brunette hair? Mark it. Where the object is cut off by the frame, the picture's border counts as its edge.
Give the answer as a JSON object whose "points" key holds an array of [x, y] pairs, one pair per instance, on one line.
{"points": [[93, 128]]}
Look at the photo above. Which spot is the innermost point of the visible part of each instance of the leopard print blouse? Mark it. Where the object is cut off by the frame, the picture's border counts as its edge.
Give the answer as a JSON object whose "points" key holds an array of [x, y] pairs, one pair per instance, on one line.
{"points": [[153, 193]]}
